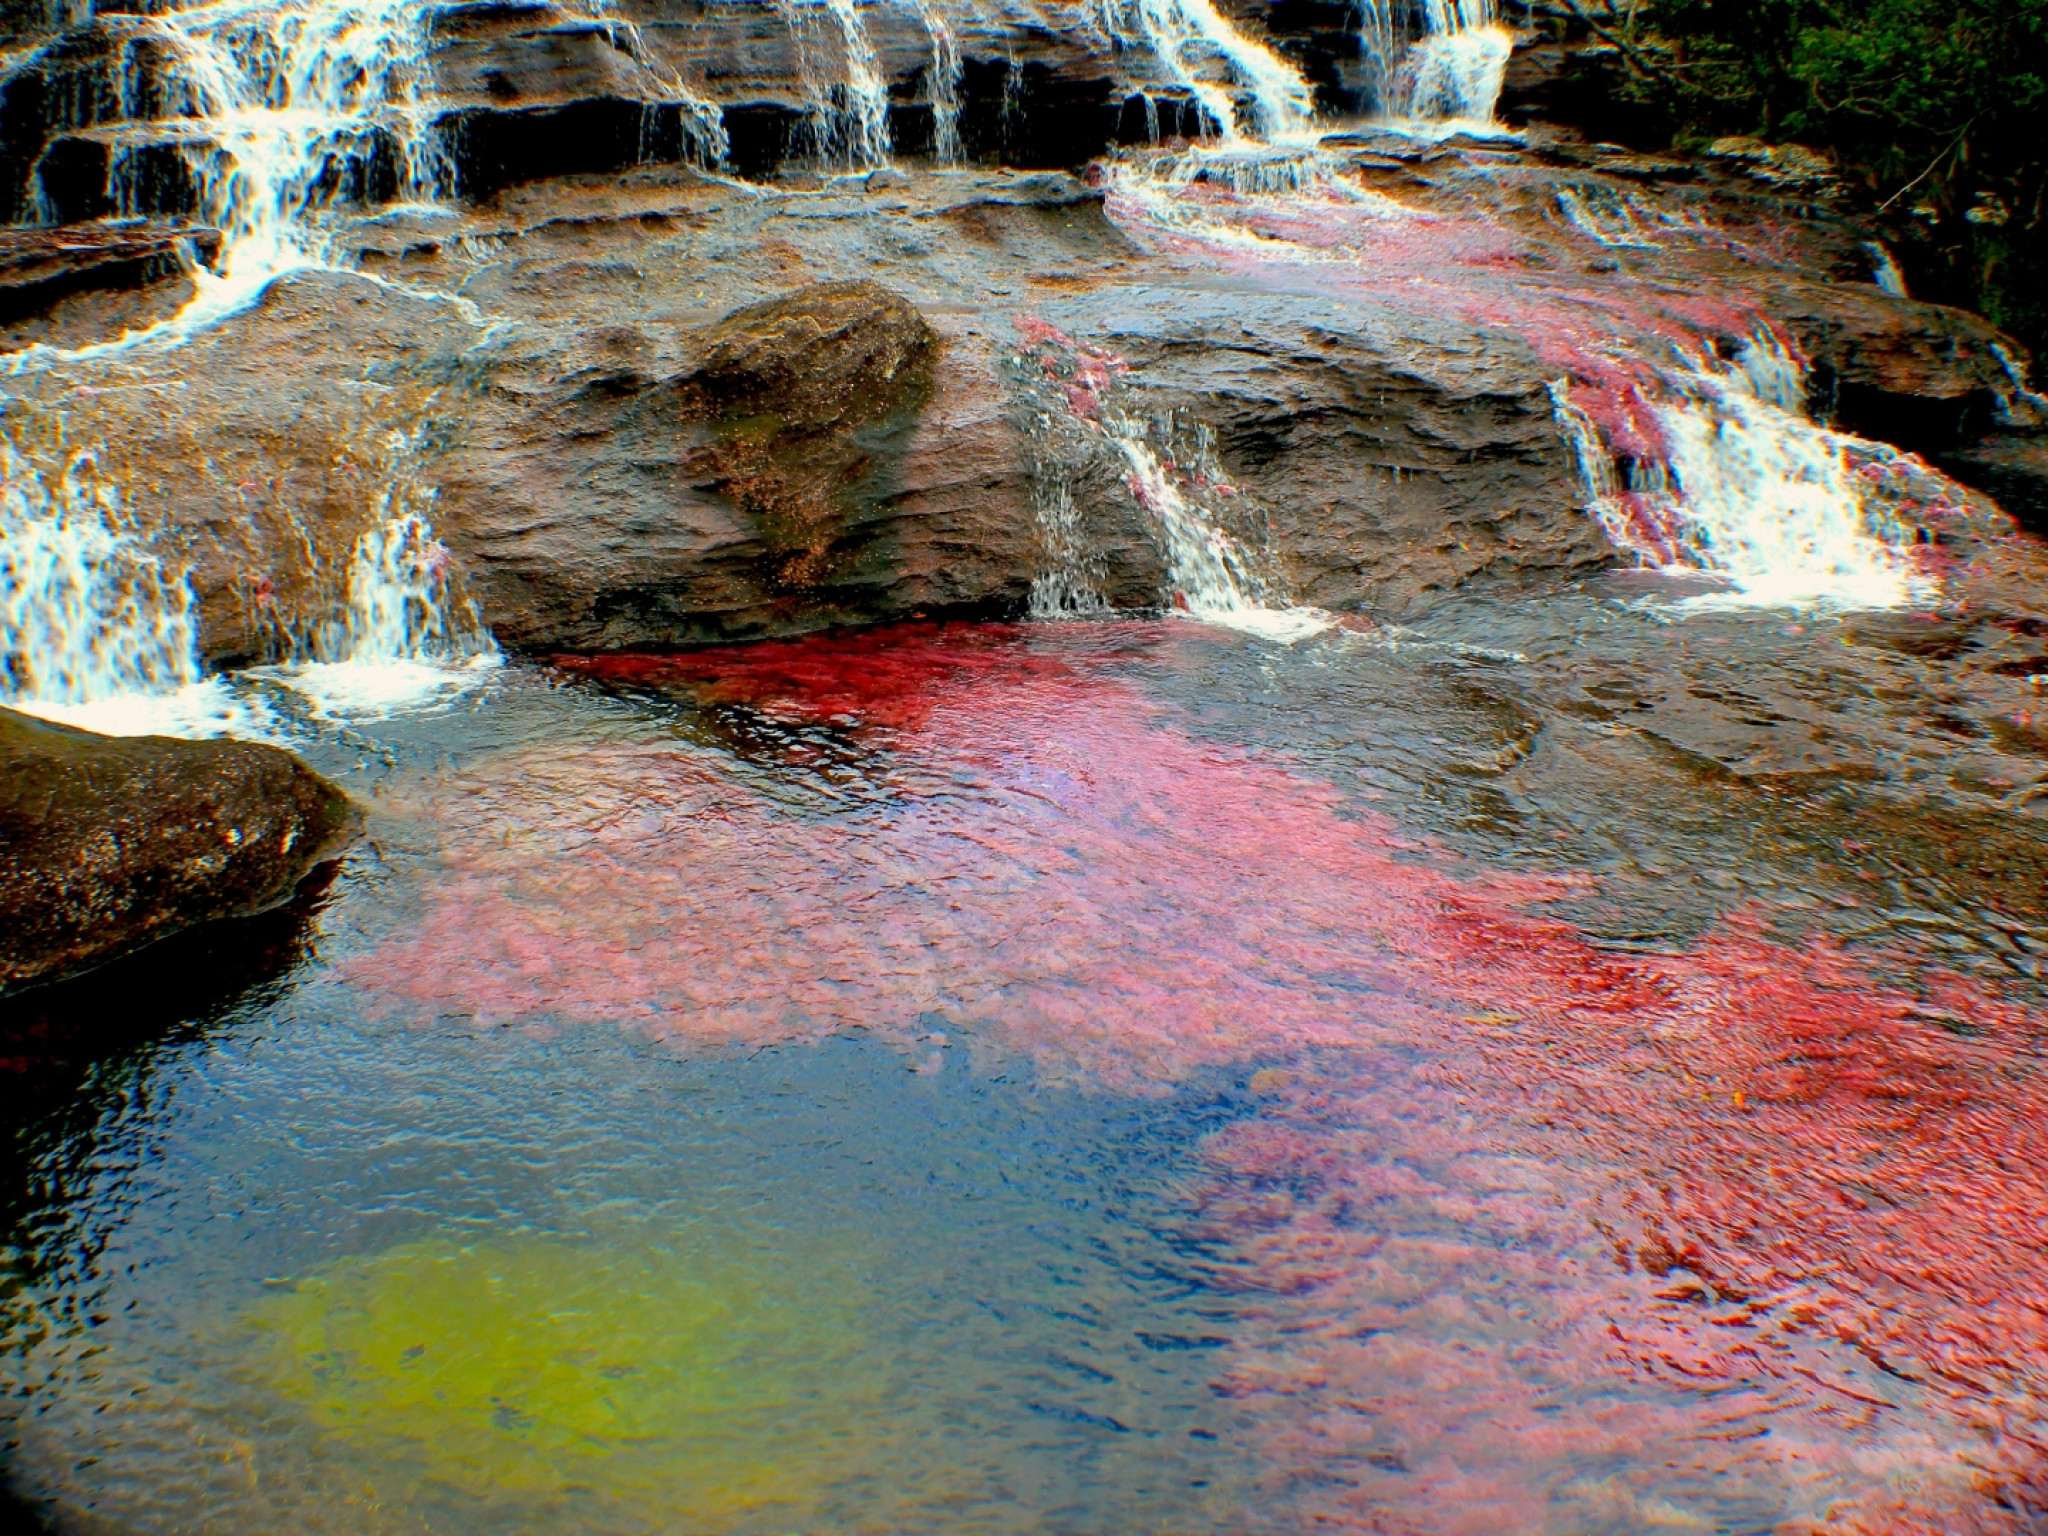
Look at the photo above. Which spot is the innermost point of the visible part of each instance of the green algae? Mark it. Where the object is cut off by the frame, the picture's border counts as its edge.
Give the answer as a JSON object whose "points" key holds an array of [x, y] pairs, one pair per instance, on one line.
{"points": [[706, 1377]]}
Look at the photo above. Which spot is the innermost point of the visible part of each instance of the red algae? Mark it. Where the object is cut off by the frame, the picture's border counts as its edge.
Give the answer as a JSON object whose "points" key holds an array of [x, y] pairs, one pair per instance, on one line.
{"points": [[1618, 339], [1533, 1235]]}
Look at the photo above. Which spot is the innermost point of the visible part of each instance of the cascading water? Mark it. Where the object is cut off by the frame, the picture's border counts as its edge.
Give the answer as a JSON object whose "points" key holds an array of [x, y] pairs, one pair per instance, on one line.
{"points": [[94, 630], [1214, 577], [849, 96], [408, 637], [1884, 269], [867, 92], [942, 82], [1436, 62], [1784, 510], [281, 113], [1194, 43], [1168, 465]]}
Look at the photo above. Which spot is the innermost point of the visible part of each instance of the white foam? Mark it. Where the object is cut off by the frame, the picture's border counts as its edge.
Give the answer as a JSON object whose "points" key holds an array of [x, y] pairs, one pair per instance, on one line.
{"points": [[380, 689], [212, 707], [1784, 511]]}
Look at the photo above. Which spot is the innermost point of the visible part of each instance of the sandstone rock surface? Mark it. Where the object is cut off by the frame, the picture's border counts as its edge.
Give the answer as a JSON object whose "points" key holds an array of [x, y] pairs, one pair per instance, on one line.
{"points": [[108, 843]]}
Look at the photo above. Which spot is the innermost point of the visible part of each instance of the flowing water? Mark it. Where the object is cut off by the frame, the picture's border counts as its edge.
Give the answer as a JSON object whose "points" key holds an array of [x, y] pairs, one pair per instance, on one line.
{"points": [[1206, 55], [1436, 66], [1087, 1076], [1570, 1063], [1694, 463]]}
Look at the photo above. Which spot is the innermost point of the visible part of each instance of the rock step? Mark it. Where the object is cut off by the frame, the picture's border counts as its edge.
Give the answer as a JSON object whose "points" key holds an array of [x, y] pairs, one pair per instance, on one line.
{"points": [[38, 267], [104, 120]]}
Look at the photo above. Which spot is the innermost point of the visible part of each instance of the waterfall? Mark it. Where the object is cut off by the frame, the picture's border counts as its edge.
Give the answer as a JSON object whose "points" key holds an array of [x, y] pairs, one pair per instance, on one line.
{"points": [[94, 630], [1785, 511], [848, 94], [1193, 42], [1213, 576], [942, 83], [1447, 71], [280, 113], [1076, 397], [410, 636], [867, 92]]}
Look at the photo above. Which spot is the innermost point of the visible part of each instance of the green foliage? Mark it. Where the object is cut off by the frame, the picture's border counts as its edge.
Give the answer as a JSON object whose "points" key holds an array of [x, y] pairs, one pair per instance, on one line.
{"points": [[1937, 109]]}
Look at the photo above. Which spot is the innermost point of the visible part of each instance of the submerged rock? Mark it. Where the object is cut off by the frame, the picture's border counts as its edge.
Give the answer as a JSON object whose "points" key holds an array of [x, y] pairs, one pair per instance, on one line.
{"points": [[109, 842]]}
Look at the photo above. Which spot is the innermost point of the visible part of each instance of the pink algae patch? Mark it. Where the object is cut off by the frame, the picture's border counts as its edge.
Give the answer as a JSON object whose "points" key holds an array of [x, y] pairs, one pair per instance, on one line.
{"points": [[1542, 1236], [1618, 339]]}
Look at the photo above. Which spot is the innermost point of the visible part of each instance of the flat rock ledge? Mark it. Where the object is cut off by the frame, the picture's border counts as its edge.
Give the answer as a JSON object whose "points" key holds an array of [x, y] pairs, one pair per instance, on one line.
{"points": [[108, 843]]}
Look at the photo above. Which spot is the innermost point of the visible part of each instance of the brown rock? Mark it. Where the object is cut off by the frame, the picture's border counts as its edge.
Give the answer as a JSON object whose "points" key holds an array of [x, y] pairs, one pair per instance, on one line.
{"points": [[83, 283], [821, 460], [107, 843]]}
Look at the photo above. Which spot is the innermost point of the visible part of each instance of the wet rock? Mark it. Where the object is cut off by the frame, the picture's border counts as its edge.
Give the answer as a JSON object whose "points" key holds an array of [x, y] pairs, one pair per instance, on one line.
{"points": [[126, 275], [2012, 468], [1390, 458], [107, 843], [1923, 376], [823, 459]]}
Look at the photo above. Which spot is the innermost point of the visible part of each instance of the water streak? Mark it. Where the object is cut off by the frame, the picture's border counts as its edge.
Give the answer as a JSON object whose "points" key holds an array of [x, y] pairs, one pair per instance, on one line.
{"points": [[942, 83], [1213, 576], [848, 93], [279, 114], [1785, 511], [1195, 44], [1446, 75], [1884, 269]]}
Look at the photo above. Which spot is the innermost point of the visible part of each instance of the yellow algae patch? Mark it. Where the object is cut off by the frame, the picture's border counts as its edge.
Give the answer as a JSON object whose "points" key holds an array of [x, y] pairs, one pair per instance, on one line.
{"points": [[704, 1378]]}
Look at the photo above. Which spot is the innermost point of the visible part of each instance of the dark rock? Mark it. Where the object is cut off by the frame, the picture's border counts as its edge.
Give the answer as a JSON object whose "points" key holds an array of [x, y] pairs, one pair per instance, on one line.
{"points": [[121, 172], [1923, 376], [493, 148], [114, 70], [107, 843], [41, 267], [2010, 467]]}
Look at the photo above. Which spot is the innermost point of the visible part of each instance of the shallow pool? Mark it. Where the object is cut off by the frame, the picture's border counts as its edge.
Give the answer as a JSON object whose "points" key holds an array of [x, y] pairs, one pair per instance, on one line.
{"points": [[1090, 1077]]}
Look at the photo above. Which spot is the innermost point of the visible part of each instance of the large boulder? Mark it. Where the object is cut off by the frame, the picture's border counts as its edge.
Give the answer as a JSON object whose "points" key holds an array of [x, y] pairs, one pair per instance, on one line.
{"points": [[821, 460], [107, 843]]}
